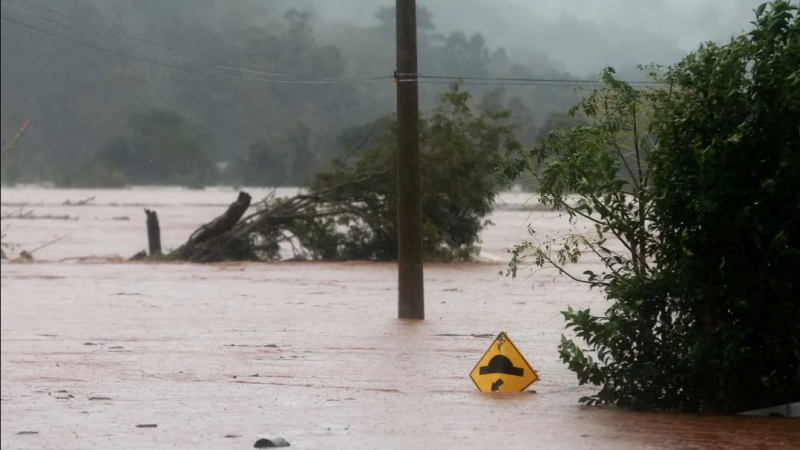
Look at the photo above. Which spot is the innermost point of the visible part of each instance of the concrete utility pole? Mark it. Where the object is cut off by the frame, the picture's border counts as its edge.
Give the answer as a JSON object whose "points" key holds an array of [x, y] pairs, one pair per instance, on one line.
{"points": [[411, 302]]}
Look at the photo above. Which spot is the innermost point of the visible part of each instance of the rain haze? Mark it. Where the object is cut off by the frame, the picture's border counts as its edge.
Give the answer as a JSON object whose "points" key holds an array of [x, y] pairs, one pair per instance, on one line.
{"points": [[583, 35], [550, 39], [259, 223]]}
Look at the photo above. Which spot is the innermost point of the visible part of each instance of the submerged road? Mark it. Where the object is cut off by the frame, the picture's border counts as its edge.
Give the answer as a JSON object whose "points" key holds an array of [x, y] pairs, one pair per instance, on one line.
{"points": [[216, 356]]}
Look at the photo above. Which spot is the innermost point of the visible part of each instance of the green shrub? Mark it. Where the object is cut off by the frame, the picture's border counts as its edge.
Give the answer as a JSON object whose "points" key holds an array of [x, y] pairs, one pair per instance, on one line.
{"points": [[704, 304], [456, 148], [727, 207]]}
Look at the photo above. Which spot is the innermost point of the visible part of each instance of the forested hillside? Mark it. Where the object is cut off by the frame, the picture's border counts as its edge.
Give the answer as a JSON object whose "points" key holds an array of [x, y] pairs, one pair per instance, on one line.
{"points": [[141, 92]]}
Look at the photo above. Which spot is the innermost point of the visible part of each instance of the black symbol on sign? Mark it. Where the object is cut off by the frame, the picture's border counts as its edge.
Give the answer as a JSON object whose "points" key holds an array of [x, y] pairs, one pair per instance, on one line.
{"points": [[501, 364], [496, 385]]}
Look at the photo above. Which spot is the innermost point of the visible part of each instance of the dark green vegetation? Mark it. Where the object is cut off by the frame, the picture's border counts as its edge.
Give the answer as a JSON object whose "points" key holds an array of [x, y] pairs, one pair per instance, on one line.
{"points": [[699, 181], [455, 144], [350, 212], [159, 147], [96, 116]]}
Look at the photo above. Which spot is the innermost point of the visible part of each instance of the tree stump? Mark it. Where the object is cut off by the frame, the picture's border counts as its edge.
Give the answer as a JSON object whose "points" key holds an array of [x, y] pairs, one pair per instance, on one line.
{"points": [[153, 232]]}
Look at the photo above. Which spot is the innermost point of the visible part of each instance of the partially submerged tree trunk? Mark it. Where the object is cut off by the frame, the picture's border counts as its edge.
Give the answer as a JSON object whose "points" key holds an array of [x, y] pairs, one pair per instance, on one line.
{"points": [[153, 233], [222, 223], [235, 237], [204, 243]]}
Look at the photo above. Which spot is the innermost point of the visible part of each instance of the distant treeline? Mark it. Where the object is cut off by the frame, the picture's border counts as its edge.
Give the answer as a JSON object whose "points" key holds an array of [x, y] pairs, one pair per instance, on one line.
{"points": [[183, 94]]}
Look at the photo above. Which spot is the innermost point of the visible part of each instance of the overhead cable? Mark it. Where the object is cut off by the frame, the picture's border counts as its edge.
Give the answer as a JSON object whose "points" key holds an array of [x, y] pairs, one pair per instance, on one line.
{"points": [[172, 66], [214, 63]]}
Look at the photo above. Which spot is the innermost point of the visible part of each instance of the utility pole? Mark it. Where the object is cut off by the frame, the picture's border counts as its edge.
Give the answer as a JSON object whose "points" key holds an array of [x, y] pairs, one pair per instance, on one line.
{"points": [[411, 301]]}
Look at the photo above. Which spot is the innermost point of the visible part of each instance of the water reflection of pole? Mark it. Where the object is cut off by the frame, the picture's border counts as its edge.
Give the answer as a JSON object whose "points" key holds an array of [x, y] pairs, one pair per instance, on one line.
{"points": [[411, 303]]}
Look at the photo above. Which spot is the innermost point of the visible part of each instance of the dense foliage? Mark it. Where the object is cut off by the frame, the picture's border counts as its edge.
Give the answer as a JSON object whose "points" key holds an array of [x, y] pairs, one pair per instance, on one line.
{"points": [[598, 175], [161, 147], [457, 144], [727, 183], [268, 131], [698, 184], [350, 212]]}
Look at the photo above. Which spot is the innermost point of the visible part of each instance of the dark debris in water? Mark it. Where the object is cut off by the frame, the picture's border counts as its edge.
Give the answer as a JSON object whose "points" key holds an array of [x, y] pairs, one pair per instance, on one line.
{"points": [[474, 335], [253, 346], [271, 443]]}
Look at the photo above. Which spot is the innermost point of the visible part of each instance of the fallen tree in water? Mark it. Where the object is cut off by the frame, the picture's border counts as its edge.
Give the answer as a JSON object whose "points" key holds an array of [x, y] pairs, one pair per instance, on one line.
{"points": [[350, 212], [306, 222]]}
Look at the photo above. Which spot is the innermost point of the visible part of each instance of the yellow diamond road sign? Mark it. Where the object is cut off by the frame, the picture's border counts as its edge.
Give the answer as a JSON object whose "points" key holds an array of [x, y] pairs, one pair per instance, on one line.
{"points": [[503, 368]]}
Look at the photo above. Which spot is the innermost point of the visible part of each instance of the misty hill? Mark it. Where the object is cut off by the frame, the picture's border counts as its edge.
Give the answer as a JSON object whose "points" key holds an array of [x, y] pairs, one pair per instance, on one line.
{"points": [[295, 82]]}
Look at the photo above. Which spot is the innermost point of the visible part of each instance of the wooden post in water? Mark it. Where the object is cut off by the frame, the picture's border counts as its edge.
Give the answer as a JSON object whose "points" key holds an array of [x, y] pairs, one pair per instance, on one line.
{"points": [[153, 233], [411, 303]]}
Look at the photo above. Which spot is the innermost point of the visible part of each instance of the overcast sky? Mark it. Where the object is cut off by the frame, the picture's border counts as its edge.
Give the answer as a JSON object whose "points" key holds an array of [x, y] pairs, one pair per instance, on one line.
{"points": [[630, 31]]}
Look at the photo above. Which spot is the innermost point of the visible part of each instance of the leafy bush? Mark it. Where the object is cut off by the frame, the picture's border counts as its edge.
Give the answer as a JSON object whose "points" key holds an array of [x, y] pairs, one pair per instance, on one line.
{"points": [[727, 187], [597, 174], [704, 307], [456, 147]]}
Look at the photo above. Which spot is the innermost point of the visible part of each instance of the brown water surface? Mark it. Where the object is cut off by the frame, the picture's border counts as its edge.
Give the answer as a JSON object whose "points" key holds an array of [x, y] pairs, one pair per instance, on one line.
{"points": [[308, 351]]}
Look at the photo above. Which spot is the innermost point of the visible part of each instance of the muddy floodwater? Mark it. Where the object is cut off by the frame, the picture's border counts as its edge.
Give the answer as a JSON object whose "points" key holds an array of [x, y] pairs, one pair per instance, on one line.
{"points": [[217, 355]]}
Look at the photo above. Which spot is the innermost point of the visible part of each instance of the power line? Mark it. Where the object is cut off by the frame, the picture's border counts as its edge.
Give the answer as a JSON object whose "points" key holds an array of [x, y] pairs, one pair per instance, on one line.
{"points": [[86, 44], [63, 25], [502, 81], [171, 66], [531, 83], [523, 80], [295, 79], [15, 8], [214, 63]]}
